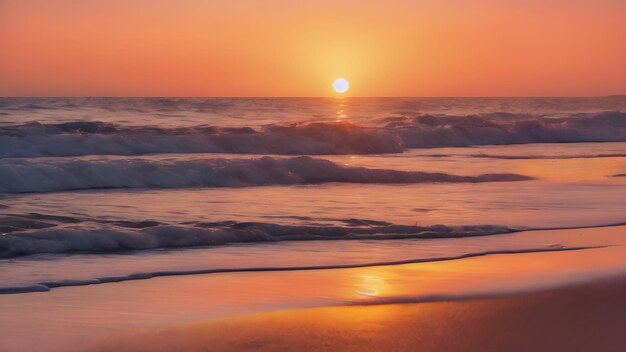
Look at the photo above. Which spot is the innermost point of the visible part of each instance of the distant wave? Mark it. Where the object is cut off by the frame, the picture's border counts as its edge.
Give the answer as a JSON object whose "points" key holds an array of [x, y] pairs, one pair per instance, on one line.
{"points": [[48, 285], [43, 175], [397, 134], [35, 234], [458, 131]]}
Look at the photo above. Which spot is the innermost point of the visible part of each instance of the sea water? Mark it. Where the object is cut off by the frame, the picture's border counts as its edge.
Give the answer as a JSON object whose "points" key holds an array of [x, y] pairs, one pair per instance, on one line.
{"points": [[107, 189]]}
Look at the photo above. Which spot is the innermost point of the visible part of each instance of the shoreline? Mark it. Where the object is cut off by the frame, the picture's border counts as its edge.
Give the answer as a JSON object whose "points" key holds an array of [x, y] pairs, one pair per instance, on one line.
{"points": [[48, 286]]}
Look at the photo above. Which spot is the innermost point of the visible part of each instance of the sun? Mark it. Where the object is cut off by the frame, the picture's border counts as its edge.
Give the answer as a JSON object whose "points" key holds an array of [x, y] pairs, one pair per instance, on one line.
{"points": [[341, 85]]}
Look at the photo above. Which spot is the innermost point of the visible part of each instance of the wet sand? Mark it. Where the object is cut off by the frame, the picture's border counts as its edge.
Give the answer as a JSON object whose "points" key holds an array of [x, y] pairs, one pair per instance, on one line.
{"points": [[584, 317]]}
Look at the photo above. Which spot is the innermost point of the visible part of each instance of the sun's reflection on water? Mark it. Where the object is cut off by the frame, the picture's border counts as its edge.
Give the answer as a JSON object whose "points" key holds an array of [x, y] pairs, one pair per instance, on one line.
{"points": [[341, 114]]}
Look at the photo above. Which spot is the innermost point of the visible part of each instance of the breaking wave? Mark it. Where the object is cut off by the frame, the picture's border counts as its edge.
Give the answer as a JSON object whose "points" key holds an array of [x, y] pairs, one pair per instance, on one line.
{"points": [[36, 233], [395, 135], [23, 175]]}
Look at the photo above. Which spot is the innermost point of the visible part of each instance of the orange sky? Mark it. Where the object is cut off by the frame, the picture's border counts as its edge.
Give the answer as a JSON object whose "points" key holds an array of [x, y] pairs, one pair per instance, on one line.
{"points": [[297, 48]]}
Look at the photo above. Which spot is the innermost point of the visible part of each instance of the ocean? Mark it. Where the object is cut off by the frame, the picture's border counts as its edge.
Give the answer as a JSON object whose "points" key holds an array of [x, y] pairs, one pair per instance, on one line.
{"points": [[97, 190]]}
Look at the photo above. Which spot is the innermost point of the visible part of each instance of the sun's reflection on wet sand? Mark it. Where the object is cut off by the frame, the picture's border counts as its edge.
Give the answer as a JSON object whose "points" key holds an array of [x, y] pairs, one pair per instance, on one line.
{"points": [[370, 285]]}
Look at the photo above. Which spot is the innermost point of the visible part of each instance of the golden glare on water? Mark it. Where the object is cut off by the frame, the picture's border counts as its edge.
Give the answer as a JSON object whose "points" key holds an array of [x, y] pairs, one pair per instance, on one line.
{"points": [[341, 85]]}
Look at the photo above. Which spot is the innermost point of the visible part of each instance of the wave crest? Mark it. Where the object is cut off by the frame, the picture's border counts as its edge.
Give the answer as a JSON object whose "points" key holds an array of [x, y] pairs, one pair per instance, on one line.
{"points": [[22, 175]]}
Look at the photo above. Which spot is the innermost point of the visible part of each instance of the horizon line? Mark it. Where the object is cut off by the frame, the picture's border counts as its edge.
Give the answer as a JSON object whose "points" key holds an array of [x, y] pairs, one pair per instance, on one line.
{"points": [[313, 97]]}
